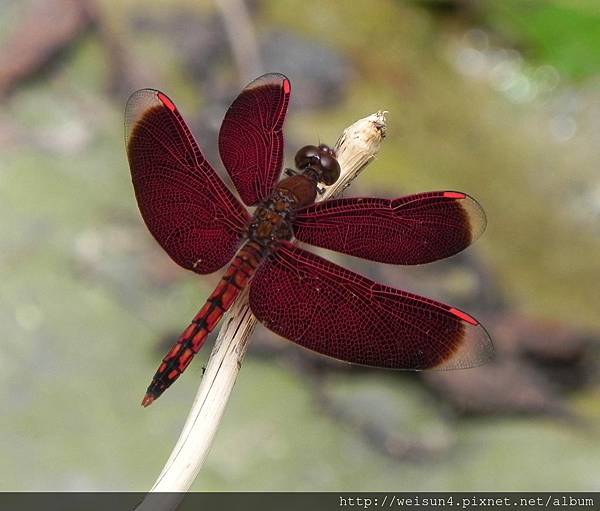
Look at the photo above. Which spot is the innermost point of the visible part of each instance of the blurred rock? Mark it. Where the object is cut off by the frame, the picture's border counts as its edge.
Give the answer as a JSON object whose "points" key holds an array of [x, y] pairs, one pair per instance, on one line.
{"points": [[49, 28], [400, 422], [504, 386], [200, 41], [320, 75], [562, 352]]}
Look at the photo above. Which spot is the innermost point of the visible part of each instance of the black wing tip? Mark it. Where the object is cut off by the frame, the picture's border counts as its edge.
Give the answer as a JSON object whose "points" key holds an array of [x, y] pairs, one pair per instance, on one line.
{"points": [[271, 78], [134, 96], [139, 103], [473, 209], [132, 107], [474, 349]]}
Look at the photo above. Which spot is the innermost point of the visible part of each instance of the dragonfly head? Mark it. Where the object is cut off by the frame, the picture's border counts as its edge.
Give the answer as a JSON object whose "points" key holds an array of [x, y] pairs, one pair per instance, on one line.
{"points": [[319, 161]]}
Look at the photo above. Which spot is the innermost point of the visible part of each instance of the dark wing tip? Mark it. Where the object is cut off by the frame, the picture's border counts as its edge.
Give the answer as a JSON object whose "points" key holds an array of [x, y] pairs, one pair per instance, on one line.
{"points": [[271, 78], [473, 212], [138, 104], [140, 98], [474, 348]]}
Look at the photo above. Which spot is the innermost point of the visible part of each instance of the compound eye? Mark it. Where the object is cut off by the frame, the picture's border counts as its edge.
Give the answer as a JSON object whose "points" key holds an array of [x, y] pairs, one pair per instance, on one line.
{"points": [[327, 150], [306, 155], [330, 169]]}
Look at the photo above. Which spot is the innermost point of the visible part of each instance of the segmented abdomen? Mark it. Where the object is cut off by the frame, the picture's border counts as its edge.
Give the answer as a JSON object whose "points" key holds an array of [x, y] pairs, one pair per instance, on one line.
{"points": [[192, 339]]}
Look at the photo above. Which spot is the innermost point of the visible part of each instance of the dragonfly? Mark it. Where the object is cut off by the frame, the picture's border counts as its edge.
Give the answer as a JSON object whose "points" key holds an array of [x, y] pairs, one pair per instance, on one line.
{"points": [[293, 292]]}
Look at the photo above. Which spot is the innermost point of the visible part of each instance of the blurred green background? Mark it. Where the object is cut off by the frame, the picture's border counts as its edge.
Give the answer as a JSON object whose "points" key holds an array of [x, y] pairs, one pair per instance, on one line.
{"points": [[499, 99]]}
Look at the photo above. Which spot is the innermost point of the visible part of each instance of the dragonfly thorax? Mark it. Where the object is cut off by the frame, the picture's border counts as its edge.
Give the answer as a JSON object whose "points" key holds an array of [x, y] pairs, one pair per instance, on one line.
{"points": [[272, 219]]}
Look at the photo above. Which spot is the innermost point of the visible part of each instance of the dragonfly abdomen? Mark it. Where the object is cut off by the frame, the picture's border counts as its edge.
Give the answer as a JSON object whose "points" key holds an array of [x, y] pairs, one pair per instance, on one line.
{"points": [[234, 280]]}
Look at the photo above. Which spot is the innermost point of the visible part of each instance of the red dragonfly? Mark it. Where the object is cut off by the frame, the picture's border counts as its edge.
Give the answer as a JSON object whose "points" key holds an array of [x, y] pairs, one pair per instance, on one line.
{"points": [[294, 293]]}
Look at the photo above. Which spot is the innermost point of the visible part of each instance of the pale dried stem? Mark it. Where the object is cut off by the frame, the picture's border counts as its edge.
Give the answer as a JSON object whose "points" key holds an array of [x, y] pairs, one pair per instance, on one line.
{"points": [[242, 39], [356, 147]]}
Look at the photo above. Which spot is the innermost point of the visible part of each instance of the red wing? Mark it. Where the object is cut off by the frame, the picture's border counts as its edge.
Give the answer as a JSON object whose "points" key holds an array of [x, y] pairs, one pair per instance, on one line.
{"points": [[409, 230], [251, 137], [338, 313], [186, 206]]}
